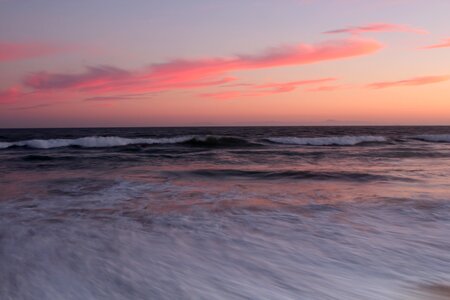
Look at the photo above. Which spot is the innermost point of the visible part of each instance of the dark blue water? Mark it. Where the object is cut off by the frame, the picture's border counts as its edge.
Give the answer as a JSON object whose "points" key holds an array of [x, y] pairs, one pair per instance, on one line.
{"points": [[225, 213]]}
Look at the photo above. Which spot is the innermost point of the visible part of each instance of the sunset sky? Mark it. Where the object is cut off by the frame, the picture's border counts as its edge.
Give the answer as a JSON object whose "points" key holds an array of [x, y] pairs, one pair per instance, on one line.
{"points": [[236, 62]]}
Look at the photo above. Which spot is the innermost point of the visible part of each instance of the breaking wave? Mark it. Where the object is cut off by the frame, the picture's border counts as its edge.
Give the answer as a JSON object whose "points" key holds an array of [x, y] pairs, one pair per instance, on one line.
{"points": [[328, 141], [219, 141], [437, 138], [94, 142], [4, 145], [115, 141], [210, 141]]}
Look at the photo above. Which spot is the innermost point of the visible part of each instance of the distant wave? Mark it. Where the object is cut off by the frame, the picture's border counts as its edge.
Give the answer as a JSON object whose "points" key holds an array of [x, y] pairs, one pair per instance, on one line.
{"points": [[114, 141], [219, 141], [293, 174], [327, 141], [437, 138], [94, 142]]}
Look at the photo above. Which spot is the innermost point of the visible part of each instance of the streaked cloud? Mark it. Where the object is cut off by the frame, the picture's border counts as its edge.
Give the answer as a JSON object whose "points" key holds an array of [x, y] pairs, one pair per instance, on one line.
{"points": [[118, 97], [259, 90], [43, 105], [417, 81], [327, 88], [378, 27], [443, 44], [284, 87], [184, 74], [91, 78]]}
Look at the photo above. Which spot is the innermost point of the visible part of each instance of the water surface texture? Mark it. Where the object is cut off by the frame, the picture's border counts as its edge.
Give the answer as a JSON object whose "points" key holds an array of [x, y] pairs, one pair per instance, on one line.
{"points": [[225, 213]]}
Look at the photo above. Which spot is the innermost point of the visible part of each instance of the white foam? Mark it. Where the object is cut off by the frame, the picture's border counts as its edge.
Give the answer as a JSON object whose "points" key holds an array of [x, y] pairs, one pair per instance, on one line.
{"points": [[95, 142], [4, 145], [438, 138], [327, 141]]}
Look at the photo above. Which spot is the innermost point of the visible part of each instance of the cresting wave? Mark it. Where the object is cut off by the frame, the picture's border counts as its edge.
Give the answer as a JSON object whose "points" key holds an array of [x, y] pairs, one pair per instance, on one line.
{"points": [[192, 140], [210, 141], [94, 142], [437, 138], [328, 141], [115, 141]]}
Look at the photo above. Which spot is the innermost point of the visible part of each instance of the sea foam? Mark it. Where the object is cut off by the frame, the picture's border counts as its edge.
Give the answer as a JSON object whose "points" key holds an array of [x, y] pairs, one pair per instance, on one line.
{"points": [[327, 141], [115, 141], [4, 145], [95, 142]]}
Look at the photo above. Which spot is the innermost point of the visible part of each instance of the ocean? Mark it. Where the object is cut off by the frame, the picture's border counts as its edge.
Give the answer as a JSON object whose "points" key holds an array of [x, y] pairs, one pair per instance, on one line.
{"points": [[225, 213]]}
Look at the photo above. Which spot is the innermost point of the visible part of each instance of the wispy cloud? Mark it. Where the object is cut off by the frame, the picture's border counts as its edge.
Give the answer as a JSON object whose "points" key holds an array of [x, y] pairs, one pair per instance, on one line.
{"points": [[443, 44], [417, 81], [91, 78], [283, 87], [11, 51], [378, 27], [194, 73], [229, 95], [259, 90], [32, 106], [10, 94], [327, 88], [118, 97]]}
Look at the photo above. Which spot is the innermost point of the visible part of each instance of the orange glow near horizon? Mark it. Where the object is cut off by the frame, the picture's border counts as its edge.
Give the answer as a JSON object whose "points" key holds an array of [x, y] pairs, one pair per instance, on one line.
{"points": [[373, 73]]}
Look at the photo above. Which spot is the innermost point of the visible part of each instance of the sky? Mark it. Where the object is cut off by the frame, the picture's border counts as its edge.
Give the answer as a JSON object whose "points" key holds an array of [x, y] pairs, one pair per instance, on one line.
{"points": [[111, 63]]}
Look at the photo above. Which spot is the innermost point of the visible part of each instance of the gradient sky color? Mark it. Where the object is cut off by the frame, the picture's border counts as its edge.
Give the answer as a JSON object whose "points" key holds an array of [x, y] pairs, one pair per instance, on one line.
{"points": [[209, 62]]}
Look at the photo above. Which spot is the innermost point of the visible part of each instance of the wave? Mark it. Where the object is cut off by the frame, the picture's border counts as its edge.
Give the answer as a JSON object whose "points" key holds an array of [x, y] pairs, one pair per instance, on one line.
{"points": [[219, 141], [4, 145], [115, 141], [328, 141], [94, 142], [293, 174], [437, 138]]}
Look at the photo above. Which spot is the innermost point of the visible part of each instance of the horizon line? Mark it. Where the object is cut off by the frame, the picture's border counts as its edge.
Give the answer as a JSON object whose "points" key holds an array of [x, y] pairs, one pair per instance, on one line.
{"points": [[228, 126]]}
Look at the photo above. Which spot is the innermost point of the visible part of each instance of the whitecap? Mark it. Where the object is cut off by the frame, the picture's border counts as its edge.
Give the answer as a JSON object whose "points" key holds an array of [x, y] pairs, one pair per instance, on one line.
{"points": [[4, 145], [95, 142], [327, 141]]}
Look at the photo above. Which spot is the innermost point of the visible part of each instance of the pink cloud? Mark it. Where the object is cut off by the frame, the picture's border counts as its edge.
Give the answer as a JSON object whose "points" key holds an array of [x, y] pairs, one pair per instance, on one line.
{"points": [[326, 88], [10, 51], [227, 95], [119, 97], [182, 74], [300, 54], [378, 27], [444, 44], [10, 95], [290, 86], [32, 106], [258, 90], [91, 78], [417, 81]]}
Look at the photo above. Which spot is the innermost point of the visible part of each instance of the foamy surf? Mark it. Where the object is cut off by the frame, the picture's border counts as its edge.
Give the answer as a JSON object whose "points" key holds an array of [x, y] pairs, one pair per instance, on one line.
{"points": [[95, 142], [115, 141], [4, 145], [328, 141], [274, 221]]}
